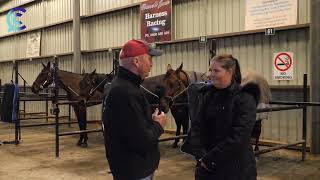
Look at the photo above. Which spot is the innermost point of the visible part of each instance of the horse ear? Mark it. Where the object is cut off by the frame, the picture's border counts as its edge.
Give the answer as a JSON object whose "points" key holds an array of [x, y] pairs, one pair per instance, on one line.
{"points": [[94, 71], [180, 67], [83, 71], [169, 67], [44, 66]]}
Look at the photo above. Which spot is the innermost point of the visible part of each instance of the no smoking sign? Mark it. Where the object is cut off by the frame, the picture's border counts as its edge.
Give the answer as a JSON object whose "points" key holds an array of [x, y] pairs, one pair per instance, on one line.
{"points": [[283, 66]]}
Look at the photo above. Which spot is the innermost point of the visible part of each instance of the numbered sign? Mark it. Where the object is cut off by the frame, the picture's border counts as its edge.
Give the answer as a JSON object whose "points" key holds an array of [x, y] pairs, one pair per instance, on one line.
{"points": [[270, 31]]}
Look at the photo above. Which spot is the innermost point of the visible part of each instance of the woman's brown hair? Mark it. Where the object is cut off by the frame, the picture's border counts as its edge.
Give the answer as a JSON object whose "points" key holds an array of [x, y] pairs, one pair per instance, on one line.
{"points": [[229, 62]]}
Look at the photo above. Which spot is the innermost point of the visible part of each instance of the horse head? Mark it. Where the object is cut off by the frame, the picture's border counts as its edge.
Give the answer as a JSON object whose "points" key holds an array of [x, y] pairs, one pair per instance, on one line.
{"points": [[87, 83], [92, 82], [176, 81], [43, 80], [155, 92]]}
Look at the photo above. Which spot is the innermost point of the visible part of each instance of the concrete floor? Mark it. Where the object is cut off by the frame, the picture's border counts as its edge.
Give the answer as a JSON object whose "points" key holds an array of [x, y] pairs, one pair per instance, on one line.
{"points": [[34, 159]]}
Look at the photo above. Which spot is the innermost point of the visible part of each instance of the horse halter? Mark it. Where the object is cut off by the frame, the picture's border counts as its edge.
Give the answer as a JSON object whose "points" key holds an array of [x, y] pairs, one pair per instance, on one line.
{"points": [[45, 83], [176, 94], [93, 89], [148, 91]]}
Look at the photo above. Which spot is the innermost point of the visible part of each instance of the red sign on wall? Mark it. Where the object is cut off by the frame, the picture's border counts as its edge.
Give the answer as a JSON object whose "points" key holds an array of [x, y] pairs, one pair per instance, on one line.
{"points": [[156, 20]]}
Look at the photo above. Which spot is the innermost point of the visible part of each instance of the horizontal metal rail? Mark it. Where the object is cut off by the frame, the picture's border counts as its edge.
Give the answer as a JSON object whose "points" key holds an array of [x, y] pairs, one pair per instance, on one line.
{"points": [[36, 118], [34, 113], [52, 124], [172, 138], [79, 132], [295, 103], [263, 151], [81, 102]]}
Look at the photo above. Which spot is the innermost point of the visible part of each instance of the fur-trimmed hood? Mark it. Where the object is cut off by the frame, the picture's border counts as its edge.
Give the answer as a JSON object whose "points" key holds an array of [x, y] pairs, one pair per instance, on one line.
{"points": [[253, 89], [250, 87]]}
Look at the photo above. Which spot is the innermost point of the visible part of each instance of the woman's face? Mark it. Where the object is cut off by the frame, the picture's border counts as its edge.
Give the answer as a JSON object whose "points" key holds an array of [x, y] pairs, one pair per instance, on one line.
{"points": [[220, 77]]}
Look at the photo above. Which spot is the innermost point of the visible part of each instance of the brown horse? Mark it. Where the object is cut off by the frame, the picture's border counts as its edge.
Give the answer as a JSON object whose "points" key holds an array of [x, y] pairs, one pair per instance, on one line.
{"points": [[70, 83], [152, 88], [177, 82]]}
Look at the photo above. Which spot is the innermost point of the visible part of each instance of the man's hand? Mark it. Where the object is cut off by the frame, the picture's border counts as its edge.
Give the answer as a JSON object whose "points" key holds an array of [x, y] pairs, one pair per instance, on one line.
{"points": [[160, 118]]}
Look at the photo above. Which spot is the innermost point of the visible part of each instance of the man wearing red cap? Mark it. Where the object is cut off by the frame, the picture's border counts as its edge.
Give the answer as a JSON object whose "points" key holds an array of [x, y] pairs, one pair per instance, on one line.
{"points": [[131, 130]]}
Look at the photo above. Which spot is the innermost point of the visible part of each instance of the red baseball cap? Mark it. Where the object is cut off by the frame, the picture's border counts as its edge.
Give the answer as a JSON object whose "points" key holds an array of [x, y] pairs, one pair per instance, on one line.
{"points": [[137, 47]]}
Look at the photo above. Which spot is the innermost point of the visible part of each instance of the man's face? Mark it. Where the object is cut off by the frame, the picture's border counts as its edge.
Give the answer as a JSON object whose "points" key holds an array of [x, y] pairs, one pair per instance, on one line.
{"points": [[144, 65]]}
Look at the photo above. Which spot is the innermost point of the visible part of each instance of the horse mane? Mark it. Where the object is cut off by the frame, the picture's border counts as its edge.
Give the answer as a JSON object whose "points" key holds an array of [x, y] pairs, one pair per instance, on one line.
{"points": [[154, 84], [251, 76], [195, 76], [155, 79], [70, 73], [69, 80]]}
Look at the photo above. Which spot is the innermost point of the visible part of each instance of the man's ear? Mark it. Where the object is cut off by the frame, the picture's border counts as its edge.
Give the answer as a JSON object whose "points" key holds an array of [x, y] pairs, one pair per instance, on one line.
{"points": [[135, 61]]}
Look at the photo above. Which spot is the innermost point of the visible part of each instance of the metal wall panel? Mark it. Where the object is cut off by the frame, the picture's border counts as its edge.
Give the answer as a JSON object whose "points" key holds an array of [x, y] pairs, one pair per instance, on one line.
{"points": [[256, 52], [135, 13], [57, 10], [137, 1], [11, 4], [193, 18], [109, 30], [84, 34], [94, 6], [5, 72], [13, 47], [225, 16], [42, 13], [54, 40], [189, 18], [57, 39]]}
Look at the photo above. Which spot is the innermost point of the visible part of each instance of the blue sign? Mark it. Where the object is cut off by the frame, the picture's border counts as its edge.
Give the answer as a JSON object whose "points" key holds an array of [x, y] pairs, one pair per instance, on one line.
{"points": [[13, 23]]}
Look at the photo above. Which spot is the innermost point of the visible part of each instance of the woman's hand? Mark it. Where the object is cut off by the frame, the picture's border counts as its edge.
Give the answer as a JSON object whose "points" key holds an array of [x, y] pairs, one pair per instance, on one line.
{"points": [[202, 164]]}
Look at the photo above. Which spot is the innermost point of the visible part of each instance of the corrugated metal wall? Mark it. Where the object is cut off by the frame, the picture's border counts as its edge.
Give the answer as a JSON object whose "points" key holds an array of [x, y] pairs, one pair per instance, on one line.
{"points": [[57, 39], [191, 18], [256, 52], [206, 17], [6, 72], [11, 4], [109, 30]]}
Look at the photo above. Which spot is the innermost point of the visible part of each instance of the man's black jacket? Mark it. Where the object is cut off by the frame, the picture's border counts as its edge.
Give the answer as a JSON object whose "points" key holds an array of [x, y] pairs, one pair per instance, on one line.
{"points": [[131, 136]]}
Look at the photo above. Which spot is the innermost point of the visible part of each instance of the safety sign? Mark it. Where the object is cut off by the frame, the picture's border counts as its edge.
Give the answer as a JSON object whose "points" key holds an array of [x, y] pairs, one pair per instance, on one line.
{"points": [[283, 66]]}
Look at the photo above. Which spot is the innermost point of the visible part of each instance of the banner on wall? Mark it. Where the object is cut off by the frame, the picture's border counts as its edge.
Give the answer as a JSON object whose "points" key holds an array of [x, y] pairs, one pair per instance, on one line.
{"points": [[33, 44], [261, 14], [156, 20]]}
